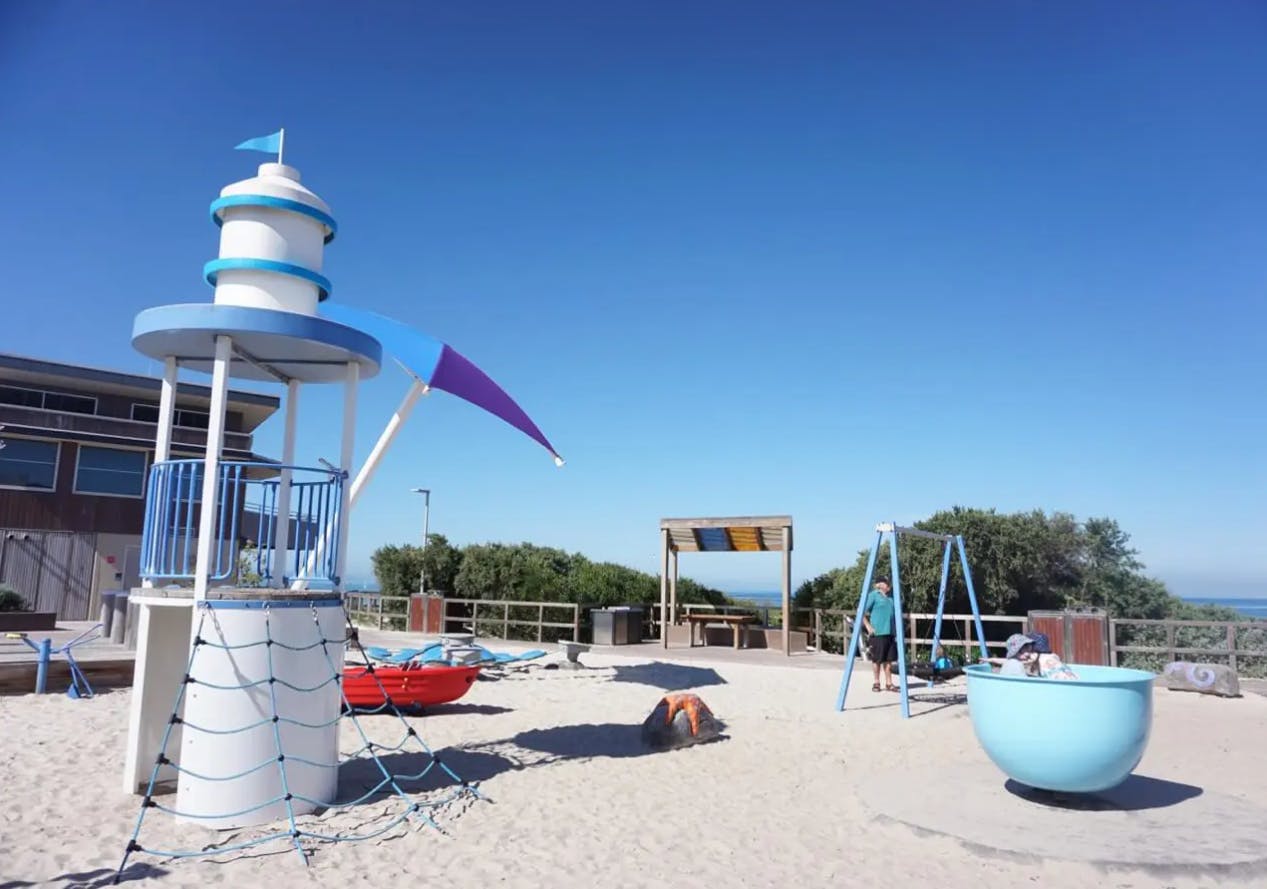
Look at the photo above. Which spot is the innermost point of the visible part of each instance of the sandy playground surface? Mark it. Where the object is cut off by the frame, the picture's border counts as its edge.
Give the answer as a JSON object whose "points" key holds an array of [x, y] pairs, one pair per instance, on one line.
{"points": [[795, 795]]}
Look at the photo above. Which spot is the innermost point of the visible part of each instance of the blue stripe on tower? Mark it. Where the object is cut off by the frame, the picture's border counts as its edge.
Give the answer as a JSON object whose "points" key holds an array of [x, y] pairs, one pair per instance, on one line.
{"points": [[211, 271], [263, 200]]}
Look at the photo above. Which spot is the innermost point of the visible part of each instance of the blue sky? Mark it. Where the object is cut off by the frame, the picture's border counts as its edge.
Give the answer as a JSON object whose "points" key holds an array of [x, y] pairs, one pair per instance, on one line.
{"points": [[851, 262]]}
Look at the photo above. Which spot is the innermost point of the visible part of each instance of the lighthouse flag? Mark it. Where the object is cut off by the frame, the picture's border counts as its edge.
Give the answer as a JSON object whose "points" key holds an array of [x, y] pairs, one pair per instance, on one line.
{"points": [[270, 144]]}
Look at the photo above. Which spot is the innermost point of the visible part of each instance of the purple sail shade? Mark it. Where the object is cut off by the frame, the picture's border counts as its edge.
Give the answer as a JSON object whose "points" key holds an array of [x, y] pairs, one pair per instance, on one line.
{"points": [[439, 366]]}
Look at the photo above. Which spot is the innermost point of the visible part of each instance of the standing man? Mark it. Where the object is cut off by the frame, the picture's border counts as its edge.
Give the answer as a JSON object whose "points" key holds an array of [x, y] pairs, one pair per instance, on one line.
{"points": [[877, 617]]}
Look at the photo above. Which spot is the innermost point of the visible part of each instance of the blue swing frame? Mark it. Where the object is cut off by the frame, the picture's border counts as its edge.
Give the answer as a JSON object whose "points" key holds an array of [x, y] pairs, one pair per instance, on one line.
{"points": [[895, 531]]}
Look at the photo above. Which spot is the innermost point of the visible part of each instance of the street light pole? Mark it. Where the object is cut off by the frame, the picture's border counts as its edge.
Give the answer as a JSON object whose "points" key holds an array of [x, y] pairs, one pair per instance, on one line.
{"points": [[426, 520]]}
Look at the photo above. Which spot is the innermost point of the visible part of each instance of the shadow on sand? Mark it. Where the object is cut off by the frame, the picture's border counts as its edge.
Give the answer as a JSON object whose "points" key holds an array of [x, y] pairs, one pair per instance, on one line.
{"points": [[942, 701], [1135, 794], [485, 762], [669, 677], [93, 878]]}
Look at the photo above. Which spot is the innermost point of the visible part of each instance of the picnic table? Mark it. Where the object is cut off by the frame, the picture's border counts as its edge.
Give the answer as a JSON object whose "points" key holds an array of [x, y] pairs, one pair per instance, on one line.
{"points": [[735, 621]]}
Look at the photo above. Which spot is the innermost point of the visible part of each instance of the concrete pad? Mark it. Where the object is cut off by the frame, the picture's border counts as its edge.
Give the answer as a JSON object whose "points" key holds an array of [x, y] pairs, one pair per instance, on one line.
{"points": [[1146, 823]]}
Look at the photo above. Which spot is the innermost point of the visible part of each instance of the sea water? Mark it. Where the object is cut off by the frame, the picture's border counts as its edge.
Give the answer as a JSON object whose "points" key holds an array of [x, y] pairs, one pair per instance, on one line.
{"points": [[1250, 607], [1255, 608]]}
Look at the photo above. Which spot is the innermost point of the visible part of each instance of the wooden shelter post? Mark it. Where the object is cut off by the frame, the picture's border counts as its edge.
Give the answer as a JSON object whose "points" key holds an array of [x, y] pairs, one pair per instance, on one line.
{"points": [[673, 586], [787, 591], [664, 587]]}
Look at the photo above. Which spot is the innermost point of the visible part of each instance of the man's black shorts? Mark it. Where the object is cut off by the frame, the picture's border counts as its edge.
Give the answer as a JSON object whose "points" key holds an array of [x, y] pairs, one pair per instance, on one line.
{"points": [[883, 649]]}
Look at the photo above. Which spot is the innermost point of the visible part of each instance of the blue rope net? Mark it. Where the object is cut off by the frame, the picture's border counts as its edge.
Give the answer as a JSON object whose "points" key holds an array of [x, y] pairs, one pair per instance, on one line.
{"points": [[390, 784]]}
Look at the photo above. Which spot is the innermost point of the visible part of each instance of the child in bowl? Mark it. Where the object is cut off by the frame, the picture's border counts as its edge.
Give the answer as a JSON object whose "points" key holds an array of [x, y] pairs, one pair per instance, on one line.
{"points": [[1031, 655]]}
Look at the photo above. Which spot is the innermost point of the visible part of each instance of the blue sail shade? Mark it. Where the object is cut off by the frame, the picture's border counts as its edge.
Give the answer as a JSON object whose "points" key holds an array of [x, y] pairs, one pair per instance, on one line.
{"points": [[439, 366]]}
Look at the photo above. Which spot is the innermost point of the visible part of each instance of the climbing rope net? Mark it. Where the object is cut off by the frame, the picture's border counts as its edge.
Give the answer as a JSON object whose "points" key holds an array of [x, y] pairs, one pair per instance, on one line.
{"points": [[389, 784]]}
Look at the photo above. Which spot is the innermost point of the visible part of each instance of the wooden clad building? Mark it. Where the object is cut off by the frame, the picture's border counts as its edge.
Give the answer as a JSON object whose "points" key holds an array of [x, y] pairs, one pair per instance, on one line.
{"points": [[77, 446]]}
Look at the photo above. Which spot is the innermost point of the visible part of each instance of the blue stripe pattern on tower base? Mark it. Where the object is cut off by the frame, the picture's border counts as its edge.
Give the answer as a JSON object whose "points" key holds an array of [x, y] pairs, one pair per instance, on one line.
{"points": [[211, 271], [264, 200]]}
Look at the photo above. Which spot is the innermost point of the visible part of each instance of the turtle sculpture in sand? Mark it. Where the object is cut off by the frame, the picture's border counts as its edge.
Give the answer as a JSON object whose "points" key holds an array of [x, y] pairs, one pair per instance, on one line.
{"points": [[680, 720]]}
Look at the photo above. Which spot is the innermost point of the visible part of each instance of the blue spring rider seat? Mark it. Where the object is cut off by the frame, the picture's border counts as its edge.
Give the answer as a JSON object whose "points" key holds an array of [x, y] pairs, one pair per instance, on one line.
{"points": [[1070, 736]]}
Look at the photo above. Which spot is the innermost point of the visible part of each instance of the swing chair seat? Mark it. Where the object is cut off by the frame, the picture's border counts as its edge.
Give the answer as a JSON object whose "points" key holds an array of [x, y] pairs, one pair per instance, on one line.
{"points": [[925, 670]]}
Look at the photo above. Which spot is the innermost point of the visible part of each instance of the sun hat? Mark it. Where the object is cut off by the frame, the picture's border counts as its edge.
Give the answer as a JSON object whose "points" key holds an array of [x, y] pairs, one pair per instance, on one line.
{"points": [[1016, 642], [1041, 643]]}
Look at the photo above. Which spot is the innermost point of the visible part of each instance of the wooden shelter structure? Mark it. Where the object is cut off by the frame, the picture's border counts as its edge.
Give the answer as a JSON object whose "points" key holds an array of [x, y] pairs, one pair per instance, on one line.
{"points": [[722, 535]]}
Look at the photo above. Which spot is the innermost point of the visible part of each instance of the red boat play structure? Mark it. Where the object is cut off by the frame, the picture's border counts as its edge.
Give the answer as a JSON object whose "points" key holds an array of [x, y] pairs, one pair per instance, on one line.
{"points": [[408, 686]]}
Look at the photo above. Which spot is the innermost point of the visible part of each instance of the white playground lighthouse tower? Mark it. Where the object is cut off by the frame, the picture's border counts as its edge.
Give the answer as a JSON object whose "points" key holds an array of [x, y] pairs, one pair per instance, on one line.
{"points": [[265, 645]]}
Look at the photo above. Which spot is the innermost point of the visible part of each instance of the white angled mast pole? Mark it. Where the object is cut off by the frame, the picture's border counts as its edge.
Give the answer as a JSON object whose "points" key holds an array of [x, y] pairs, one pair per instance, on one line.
{"points": [[416, 391], [281, 143]]}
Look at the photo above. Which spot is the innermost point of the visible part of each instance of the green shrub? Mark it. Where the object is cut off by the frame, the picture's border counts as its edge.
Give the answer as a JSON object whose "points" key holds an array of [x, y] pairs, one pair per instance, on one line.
{"points": [[11, 599]]}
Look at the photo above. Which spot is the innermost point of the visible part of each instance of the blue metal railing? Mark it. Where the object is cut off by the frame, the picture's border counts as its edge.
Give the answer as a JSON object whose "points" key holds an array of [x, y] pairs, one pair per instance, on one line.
{"points": [[248, 497]]}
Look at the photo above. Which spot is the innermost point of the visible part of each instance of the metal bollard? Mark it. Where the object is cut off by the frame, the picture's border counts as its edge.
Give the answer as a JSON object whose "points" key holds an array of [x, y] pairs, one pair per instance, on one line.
{"points": [[119, 625], [134, 623], [107, 612], [45, 651]]}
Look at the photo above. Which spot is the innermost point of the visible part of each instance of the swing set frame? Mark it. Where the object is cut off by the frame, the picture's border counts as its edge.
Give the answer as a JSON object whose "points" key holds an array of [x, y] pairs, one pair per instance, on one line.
{"points": [[951, 542]]}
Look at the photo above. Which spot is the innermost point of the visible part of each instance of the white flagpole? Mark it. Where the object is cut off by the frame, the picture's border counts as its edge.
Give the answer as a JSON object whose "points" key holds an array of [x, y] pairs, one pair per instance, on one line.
{"points": [[281, 144]]}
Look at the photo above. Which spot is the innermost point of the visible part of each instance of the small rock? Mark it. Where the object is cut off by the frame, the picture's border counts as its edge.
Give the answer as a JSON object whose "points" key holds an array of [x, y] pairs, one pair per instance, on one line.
{"points": [[1208, 679], [680, 720]]}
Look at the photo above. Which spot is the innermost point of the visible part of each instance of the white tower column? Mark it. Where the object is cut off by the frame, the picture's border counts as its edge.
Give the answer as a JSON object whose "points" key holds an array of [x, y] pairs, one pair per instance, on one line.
{"points": [[346, 455], [166, 411], [281, 546], [211, 465]]}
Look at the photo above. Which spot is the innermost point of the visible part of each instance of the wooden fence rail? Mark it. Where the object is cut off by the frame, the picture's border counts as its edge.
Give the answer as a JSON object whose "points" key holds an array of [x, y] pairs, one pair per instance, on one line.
{"points": [[473, 620], [1172, 649], [824, 627], [369, 606]]}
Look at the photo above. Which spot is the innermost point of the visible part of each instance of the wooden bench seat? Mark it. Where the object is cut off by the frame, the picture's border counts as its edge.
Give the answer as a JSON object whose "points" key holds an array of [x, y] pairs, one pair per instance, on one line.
{"points": [[736, 622]]}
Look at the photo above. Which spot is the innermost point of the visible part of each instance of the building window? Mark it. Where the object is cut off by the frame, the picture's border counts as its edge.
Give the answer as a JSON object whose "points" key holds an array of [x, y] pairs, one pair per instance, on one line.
{"points": [[184, 418], [21, 397], [25, 463], [70, 404], [49, 401], [110, 471]]}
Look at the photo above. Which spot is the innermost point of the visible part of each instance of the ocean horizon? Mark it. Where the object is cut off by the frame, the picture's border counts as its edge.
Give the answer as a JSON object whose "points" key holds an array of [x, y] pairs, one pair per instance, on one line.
{"points": [[1250, 607]]}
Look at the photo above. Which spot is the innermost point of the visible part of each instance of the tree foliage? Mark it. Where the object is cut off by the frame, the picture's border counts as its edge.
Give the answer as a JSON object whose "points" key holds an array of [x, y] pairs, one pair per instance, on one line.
{"points": [[398, 569], [1020, 562], [11, 599], [523, 572]]}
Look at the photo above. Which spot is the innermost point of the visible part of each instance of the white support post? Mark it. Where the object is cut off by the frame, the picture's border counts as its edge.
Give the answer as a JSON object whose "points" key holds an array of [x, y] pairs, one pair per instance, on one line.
{"points": [[161, 662], [346, 455], [281, 545], [787, 592], [207, 531], [166, 411], [416, 390]]}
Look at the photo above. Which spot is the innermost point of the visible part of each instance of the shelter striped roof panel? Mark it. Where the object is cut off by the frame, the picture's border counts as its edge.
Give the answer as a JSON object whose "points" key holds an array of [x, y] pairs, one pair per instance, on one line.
{"points": [[728, 535]]}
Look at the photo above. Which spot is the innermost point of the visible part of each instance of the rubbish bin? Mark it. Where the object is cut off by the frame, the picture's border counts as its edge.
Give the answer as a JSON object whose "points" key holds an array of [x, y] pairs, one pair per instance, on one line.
{"points": [[633, 625], [617, 626]]}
